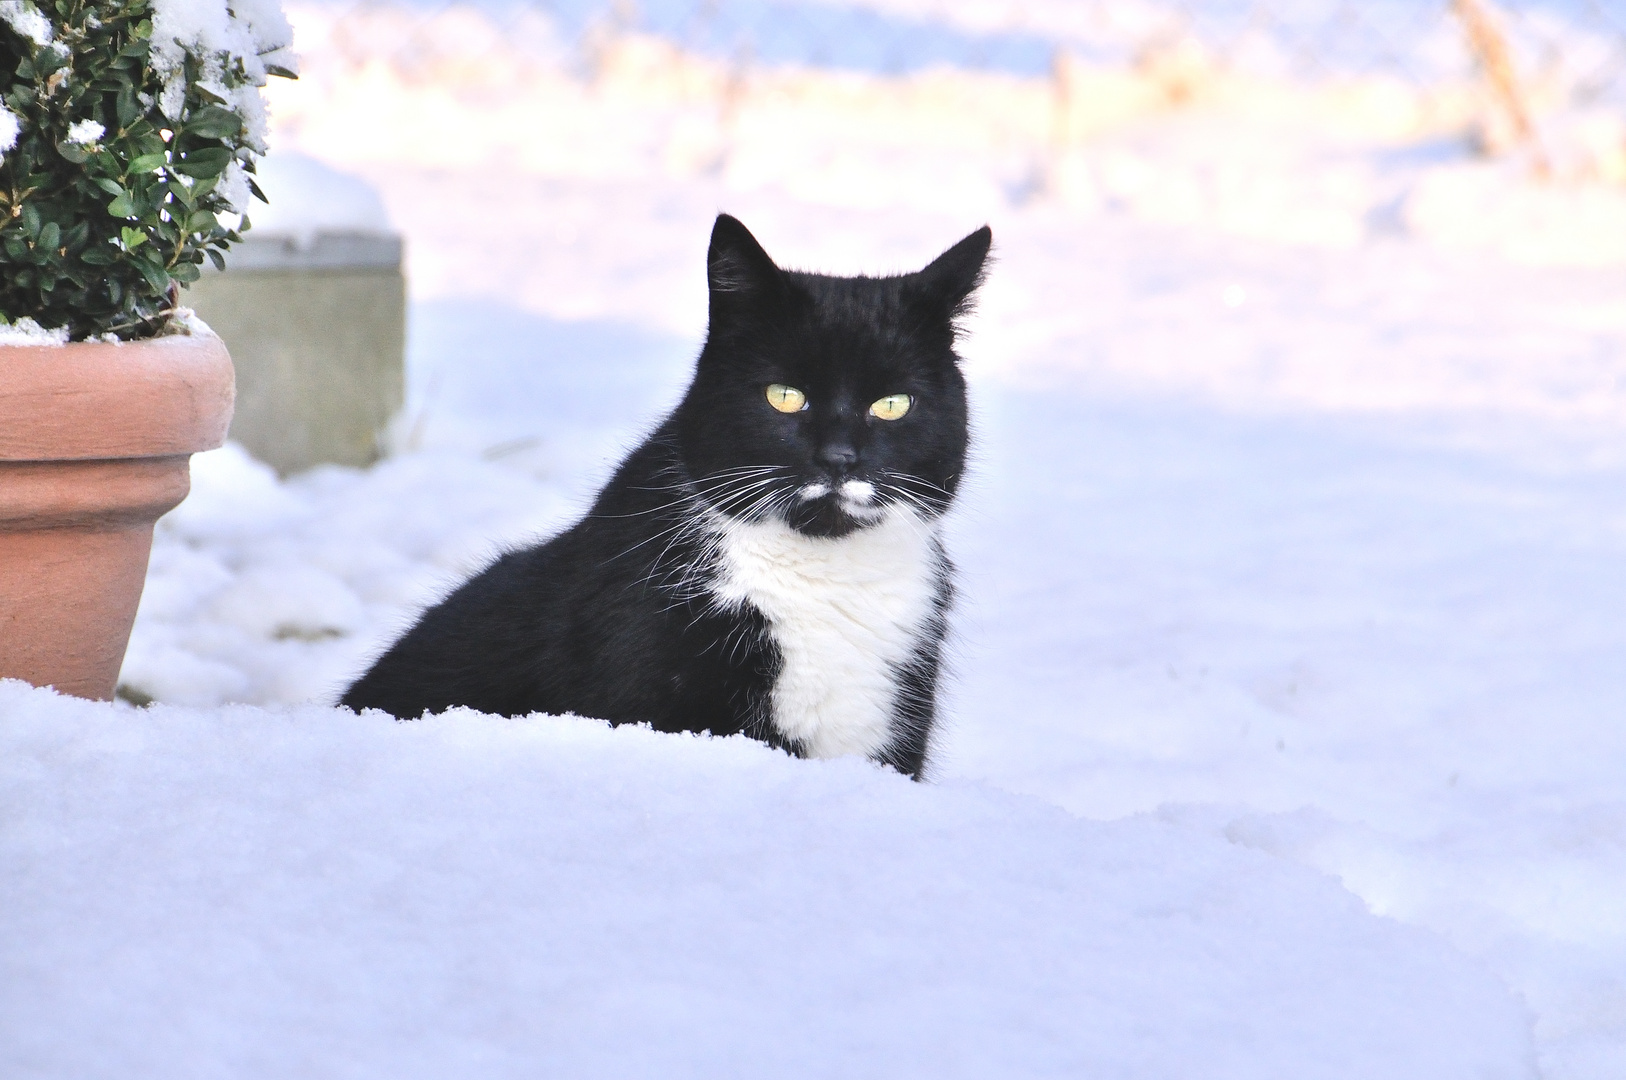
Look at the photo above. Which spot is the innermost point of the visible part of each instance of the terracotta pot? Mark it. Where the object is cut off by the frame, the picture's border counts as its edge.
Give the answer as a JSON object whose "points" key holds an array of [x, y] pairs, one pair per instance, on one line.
{"points": [[96, 443]]}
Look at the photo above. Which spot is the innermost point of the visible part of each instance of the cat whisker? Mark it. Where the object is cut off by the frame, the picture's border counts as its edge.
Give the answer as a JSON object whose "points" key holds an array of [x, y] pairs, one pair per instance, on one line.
{"points": [[694, 499], [691, 489]]}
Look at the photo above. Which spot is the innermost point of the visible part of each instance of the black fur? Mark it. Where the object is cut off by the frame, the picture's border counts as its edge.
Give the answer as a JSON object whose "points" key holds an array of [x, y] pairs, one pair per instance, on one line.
{"points": [[612, 618]]}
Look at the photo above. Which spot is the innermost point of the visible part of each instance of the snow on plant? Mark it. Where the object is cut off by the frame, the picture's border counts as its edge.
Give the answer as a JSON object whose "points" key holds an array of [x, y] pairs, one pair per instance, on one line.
{"points": [[126, 128]]}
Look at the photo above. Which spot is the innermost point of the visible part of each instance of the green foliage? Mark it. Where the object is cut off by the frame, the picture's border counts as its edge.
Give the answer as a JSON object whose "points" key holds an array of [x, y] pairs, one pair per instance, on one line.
{"points": [[94, 235]]}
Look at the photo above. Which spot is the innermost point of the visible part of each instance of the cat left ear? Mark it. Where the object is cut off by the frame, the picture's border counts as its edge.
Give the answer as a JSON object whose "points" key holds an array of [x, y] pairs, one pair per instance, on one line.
{"points": [[954, 275], [736, 265]]}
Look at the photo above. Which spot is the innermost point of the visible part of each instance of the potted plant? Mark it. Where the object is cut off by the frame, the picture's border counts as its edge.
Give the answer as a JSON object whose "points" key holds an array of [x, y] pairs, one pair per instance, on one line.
{"points": [[128, 135]]}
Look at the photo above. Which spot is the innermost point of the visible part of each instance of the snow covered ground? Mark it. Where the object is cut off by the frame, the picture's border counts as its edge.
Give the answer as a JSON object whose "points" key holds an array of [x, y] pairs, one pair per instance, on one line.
{"points": [[1285, 733]]}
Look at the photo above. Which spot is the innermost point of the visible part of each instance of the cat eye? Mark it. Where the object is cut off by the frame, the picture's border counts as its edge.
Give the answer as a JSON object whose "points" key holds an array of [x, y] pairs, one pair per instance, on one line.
{"points": [[891, 407], [787, 399]]}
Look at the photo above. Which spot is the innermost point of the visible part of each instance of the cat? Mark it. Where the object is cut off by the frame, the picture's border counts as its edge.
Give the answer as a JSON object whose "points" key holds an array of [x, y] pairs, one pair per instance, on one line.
{"points": [[769, 560]]}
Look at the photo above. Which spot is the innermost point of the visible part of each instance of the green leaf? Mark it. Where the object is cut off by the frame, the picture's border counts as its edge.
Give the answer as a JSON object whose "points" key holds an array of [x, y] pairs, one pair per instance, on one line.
{"points": [[96, 257], [122, 207], [201, 221], [112, 187], [31, 220], [155, 276], [213, 122], [78, 153], [51, 236], [126, 106], [208, 162], [146, 163], [133, 238], [215, 257], [185, 272]]}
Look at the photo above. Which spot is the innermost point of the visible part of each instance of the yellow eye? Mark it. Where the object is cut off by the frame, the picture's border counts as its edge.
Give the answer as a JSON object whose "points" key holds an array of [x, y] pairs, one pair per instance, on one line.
{"points": [[786, 399], [891, 407]]}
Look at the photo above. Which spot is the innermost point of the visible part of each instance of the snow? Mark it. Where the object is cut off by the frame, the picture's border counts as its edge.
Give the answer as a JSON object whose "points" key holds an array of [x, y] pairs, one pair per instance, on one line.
{"points": [[1283, 729], [245, 37], [27, 20], [270, 892], [1176, 138], [307, 197], [26, 331], [85, 132], [10, 128]]}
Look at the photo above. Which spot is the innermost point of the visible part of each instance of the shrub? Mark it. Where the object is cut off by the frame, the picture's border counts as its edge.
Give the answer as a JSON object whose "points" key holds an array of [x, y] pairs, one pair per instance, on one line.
{"points": [[127, 127]]}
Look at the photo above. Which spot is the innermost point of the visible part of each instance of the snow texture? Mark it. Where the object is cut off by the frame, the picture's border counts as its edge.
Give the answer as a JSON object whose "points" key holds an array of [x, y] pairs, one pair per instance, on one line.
{"points": [[85, 132], [28, 20], [10, 128], [275, 892], [1177, 138], [243, 37], [306, 197], [26, 331]]}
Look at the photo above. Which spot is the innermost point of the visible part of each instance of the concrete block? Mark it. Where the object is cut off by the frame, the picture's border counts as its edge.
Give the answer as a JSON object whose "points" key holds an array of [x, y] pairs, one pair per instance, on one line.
{"points": [[317, 330]]}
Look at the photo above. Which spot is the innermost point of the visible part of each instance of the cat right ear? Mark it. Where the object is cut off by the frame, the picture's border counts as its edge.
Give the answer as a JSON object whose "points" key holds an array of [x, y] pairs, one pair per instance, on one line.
{"points": [[954, 275], [736, 265]]}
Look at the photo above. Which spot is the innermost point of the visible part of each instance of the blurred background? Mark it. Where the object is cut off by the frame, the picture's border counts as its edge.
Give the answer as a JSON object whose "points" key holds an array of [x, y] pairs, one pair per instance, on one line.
{"points": [[562, 158]]}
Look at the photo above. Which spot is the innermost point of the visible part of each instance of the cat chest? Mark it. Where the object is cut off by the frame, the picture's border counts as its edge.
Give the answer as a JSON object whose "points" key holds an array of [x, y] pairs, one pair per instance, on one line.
{"points": [[844, 613]]}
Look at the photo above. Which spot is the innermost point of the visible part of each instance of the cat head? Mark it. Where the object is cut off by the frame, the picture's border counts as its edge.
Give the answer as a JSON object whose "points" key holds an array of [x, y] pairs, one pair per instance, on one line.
{"points": [[828, 402]]}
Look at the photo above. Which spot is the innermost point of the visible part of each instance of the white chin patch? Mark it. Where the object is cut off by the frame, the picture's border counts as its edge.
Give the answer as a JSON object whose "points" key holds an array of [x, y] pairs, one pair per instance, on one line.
{"points": [[858, 499], [809, 492], [861, 492]]}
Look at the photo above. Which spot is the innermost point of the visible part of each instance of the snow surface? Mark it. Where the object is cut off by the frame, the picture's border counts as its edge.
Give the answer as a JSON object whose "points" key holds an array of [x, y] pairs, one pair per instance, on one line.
{"points": [[307, 197], [1292, 563], [28, 20], [85, 132], [10, 128], [244, 892], [1177, 138], [26, 331]]}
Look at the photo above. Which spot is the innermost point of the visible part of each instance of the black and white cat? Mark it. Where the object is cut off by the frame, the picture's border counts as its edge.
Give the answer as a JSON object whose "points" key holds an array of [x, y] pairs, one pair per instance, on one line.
{"points": [[768, 561]]}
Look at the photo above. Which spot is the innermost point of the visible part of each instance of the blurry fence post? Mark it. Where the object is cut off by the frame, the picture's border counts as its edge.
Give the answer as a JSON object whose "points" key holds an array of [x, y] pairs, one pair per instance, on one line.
{"points": [[1489, 47], [1061, 120]]}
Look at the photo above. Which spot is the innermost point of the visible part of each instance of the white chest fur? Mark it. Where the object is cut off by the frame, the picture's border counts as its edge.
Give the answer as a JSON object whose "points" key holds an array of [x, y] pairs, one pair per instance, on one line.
{"points": [[844, 613]]}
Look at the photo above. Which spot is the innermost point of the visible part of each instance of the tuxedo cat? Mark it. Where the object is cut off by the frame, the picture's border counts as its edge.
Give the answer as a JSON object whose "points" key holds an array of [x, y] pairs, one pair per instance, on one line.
{"points": [[768, 561]]}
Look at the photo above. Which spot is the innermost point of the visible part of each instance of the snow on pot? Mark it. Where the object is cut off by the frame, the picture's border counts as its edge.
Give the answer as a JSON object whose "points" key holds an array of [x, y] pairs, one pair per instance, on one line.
{"points": [[127, 129]]}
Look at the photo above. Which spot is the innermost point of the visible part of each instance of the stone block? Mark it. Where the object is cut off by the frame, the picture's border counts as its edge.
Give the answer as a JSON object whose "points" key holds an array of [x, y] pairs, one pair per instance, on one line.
{"points": [[317, 329]]}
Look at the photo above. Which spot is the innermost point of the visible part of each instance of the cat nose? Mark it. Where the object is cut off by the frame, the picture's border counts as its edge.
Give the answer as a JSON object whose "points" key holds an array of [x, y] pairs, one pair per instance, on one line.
{"points": [[838, 457]]}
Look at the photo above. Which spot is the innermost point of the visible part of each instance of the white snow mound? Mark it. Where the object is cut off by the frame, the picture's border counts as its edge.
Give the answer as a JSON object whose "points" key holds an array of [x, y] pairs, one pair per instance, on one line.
{"points": [[255, 892]]}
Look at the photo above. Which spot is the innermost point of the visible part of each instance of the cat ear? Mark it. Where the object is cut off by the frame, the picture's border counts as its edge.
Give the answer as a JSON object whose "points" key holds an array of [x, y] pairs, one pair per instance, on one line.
{"points": [[947, 284], [736, 265]]}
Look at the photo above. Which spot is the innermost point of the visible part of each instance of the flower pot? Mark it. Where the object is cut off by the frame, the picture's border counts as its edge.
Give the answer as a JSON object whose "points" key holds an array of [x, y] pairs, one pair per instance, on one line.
{"points": [[96, 442]]}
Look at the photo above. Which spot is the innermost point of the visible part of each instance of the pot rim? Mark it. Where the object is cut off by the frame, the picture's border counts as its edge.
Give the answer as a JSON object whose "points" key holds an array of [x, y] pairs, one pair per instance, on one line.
{"points": [[89, 400]]}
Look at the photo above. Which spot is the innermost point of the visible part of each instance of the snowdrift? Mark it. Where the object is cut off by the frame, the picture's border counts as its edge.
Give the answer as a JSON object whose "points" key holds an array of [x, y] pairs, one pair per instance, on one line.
{"points": [[301, 891]]}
